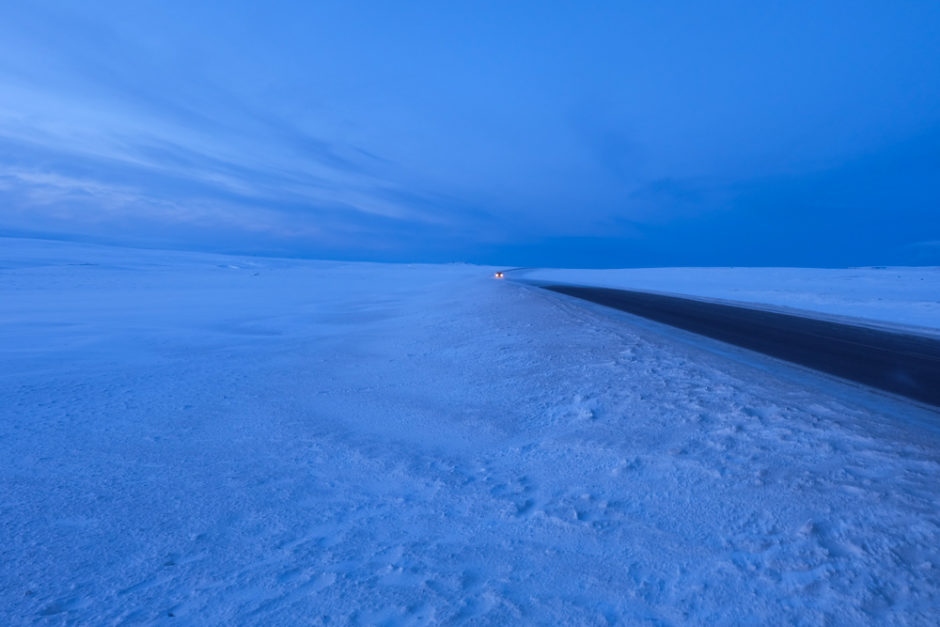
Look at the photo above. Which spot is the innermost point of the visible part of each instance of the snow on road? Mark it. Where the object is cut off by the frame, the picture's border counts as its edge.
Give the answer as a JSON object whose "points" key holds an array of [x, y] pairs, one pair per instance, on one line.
{"points": [[202, 439], [892, 296]]}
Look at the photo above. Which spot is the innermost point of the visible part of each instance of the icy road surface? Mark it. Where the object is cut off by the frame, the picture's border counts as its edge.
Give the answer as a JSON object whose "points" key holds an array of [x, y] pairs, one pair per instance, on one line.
{"points": [[196, 439]]}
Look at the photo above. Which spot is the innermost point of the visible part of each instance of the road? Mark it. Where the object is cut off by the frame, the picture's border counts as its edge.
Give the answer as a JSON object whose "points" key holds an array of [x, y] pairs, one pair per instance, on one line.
{"points": [[903, 364]]}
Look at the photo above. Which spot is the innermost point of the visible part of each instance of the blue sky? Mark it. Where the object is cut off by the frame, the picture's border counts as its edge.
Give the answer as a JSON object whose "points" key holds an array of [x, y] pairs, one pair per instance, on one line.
{"points": [[531, 133]]}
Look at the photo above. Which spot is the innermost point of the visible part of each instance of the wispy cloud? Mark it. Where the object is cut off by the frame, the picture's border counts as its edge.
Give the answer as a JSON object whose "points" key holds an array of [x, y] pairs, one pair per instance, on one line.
{"points": [[344, 130], [102, 129]]}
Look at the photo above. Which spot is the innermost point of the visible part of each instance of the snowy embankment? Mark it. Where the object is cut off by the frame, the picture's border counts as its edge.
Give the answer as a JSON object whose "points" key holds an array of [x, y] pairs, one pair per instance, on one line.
{"points": [[221, 440], [887, 296]]}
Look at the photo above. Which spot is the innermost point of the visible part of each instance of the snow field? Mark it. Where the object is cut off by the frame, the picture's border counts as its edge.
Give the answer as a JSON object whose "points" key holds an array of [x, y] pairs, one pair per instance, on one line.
{"points": [[207, 440], [906, 297]]}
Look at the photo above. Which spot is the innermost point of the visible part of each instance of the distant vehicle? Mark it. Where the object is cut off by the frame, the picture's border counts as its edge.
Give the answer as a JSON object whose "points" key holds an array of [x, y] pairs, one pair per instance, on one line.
{"points": [[498, 275]]}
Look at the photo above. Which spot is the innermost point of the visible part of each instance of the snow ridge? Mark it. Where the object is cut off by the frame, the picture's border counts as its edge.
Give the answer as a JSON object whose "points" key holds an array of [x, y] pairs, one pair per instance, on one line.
{"points": [[281, 442]]}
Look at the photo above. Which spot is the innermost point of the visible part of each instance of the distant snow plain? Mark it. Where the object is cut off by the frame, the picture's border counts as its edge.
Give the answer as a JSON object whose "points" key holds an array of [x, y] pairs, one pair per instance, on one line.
{"points": [[202, 439], [897, 297]]}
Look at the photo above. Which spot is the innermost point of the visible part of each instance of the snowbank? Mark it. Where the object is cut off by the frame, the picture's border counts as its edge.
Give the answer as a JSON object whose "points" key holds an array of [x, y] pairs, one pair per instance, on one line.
{"points": [[219, 440]]}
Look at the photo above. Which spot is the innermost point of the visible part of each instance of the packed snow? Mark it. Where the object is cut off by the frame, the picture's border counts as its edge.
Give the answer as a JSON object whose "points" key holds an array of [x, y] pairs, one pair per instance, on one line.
{"points": [[886, 296], [201, 439]]}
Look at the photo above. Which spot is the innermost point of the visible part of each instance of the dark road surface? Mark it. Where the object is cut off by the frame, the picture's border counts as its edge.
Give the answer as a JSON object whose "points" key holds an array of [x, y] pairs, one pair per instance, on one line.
{"points": [[907, 365]]}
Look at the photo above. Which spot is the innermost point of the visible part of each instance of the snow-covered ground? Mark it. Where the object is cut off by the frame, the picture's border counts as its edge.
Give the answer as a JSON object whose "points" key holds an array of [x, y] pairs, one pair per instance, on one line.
{"points": [[888, 296], [201, 439]]}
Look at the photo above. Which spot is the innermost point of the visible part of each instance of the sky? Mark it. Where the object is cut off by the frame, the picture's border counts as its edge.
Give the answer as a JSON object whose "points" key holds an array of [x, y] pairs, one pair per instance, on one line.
{"points": [[571, 134]]}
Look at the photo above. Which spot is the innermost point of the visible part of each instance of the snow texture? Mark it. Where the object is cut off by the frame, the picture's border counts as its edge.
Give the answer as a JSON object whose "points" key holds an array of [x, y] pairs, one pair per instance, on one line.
{"points": [[198, 439], [887, 296]]}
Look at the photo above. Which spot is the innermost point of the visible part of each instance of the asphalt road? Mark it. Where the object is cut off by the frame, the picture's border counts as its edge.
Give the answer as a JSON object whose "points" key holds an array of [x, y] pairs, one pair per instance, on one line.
{"points": [[903, 364]]}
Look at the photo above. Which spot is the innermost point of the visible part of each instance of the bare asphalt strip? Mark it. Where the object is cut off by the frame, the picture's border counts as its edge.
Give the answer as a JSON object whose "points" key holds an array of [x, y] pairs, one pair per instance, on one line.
{"points": [[903, 364]]}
